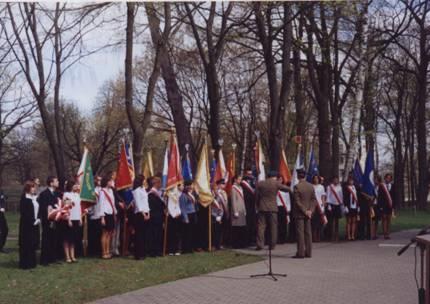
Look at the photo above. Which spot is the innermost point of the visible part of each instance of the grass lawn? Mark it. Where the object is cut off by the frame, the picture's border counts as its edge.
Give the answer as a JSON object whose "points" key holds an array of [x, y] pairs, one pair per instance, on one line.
{"points": [[93, 278]]}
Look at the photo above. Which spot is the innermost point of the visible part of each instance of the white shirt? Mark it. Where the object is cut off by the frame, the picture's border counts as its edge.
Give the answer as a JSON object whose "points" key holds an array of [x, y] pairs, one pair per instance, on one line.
{"points": [[140, 197], [173, 203], [319, 193], [35, 206], [353, 203], [75, 212], [285, 198], [331, 198], [94, 210], [107, 203]]}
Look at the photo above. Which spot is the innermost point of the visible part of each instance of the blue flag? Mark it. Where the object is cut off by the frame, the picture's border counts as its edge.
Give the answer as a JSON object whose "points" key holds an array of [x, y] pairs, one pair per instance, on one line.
{"points": [[357, 173], [368, 180], [313, 167], [165, 168], [213, 169], [187, 174]]}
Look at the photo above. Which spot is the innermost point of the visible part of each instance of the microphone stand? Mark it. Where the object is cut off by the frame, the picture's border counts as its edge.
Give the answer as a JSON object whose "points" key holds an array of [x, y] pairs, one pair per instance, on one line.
{"points": [[270, 273], [421, 290]]}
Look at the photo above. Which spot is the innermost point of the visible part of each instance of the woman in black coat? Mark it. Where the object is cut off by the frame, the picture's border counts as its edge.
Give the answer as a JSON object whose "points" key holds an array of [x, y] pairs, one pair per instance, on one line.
{"points": [[28, 227]]}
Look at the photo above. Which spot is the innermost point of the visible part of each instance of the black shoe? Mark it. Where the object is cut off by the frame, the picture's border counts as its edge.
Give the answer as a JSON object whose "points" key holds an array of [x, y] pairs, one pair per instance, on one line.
{"points": [[258, 249], [298, 257], [5, 251], [308, 256]]}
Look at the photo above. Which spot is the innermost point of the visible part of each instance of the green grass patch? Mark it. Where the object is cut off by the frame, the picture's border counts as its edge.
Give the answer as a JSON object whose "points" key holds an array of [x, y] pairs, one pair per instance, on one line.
{"points": [[93, 278]]}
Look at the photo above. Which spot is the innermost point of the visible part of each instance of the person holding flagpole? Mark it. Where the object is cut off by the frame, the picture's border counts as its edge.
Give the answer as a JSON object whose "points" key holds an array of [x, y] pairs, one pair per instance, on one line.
{"points": [[108, 213], [334, 207], [174, 221], [188, 205], [352, 208], [156, 218], [238, 214], [319, 218], [141, 210], [94, 227]]}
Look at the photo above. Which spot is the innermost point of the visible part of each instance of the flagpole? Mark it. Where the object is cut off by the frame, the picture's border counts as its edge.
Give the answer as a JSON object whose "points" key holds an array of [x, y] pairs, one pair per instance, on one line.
{"points": [[166, 216], [85, 220]]}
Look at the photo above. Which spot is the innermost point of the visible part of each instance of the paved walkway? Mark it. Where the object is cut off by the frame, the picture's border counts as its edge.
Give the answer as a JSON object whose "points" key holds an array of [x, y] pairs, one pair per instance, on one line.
{"points": [[349, 272]]}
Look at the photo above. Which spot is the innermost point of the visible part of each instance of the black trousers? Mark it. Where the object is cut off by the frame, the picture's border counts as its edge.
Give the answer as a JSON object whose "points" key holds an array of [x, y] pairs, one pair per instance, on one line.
{"points": [[203, 227], [363, 229], [189, 234], [4, 230], [140, 229], [216, 233], [173, 234], [239, 236], [94, 235], [154, 237], [50, 241], [282, 225]]}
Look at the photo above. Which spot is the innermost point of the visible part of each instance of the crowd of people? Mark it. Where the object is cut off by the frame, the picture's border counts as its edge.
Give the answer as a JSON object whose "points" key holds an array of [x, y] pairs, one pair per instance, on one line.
{"points": [[244, 213]]}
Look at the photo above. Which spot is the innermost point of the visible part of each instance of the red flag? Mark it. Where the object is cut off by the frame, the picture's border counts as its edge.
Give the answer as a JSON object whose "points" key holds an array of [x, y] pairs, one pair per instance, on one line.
{"points": [[174, 171], [124, 178], [284, 170]]}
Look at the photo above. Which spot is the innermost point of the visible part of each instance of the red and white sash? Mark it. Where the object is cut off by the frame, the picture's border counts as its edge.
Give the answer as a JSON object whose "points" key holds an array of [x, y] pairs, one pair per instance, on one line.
{"points": [[282, 201], [353, 195], [112, 205], [335, 194], [248, 186], [387, 195], [238, 190]]}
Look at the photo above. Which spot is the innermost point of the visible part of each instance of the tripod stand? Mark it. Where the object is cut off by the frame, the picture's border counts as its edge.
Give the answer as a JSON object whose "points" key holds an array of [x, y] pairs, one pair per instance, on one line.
{"points": [[270, 273]]}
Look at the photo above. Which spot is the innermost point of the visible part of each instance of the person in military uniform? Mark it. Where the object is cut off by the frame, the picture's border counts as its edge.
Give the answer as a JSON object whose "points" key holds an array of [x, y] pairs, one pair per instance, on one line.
{"points": [[304, 206], [267, 209]]}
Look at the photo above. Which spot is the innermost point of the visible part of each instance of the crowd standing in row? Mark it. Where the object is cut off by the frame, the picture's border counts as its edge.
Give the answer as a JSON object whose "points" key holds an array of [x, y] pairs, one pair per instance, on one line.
{"points": [[246, 214]]}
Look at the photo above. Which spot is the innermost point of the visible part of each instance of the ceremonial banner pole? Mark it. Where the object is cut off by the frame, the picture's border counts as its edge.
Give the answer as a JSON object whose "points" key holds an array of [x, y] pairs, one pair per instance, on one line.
{"points": [[85, 221], [166, 217]]}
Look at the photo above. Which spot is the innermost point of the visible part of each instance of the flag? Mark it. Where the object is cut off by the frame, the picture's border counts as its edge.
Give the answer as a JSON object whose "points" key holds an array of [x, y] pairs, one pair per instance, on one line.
{"points": [[165, 168], [187, 173], [357, 173], [148, 167], [174, 171], [231, 170], [259, 160], [298, 165], [124, 172], [284, 170], [130, 161], [86, 179], [220, 170], [213, 169], [313, 167], [202, 180], [368, 180]]}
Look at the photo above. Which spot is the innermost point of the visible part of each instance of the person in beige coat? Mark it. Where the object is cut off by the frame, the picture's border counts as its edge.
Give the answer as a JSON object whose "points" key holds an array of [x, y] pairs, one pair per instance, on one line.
{"points": [[304, 206], [267, 209], [238, 214]]}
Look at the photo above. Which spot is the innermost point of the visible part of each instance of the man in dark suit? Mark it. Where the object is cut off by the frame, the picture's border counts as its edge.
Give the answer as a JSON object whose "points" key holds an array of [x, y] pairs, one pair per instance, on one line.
{"points": [[304, 205], [48, 200], [267, 209], [4, 229]]}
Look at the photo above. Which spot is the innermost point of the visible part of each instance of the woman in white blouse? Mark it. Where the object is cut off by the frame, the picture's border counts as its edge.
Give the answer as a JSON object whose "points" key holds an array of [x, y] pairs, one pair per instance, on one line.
{"points": [[318, 218], [71, 225], [107, 214], [141, 211]]}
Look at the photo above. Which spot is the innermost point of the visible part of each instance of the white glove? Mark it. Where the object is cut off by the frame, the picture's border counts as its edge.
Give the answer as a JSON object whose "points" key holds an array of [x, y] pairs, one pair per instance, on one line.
{"points": [[218, 219], [346, 210], [358, 209], [236, 214], [36, 222], [1, 209]]}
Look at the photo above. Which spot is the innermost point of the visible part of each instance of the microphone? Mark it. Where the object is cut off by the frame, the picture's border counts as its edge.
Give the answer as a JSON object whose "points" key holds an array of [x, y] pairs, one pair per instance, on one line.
{"points": [[422, 232]]}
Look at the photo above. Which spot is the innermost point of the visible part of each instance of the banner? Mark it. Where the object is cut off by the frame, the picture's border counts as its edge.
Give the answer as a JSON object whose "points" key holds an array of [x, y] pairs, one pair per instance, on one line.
{"points": [[202, 180]]}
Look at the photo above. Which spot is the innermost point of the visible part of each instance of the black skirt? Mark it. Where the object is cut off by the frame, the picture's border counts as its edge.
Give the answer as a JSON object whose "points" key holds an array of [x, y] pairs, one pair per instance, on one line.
{"points": [[109, 222], [69, 234], [352, 213], [336, 211]]}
